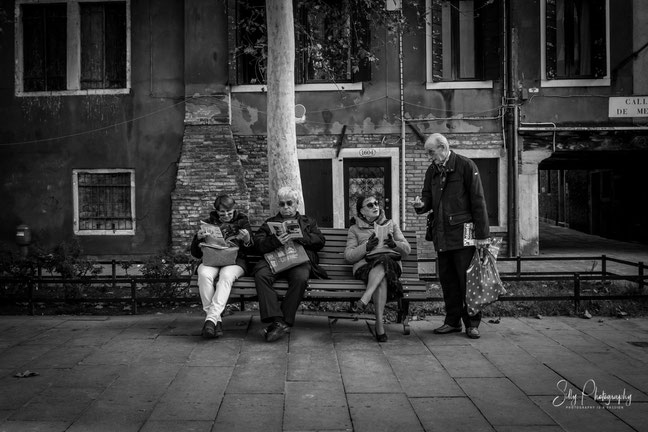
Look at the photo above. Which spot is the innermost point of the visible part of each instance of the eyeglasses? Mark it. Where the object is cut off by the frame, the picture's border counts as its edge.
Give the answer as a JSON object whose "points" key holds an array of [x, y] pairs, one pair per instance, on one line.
{"points": [[288, 203], [372, 204]]}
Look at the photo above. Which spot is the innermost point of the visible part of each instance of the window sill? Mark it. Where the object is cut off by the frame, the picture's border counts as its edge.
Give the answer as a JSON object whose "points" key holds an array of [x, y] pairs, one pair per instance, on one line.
{"points": [[263, 88], [73, 92], [601, 82], [103, 233], [459, 85]]}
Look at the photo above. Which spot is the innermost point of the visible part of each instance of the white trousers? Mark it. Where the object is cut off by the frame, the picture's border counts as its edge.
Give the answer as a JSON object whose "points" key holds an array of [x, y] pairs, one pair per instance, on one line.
{"points": [[214, 300]]}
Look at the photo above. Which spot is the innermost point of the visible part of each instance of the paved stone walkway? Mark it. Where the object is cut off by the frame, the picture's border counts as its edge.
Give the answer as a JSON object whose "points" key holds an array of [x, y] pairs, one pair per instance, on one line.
{"points": [[154, 373]]}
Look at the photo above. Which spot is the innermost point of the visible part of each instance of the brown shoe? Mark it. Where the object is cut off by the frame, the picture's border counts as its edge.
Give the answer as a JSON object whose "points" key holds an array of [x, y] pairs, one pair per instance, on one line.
{"points": [[472, 333], [445, 328]]}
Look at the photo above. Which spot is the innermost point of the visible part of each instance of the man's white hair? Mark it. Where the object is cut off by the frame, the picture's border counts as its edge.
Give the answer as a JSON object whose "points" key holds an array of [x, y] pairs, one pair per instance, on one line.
{"points": [[436, 140], [288, 193]]}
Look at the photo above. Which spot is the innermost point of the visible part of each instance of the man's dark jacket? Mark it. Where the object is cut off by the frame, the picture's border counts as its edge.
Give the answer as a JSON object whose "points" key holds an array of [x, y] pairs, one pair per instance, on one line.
{"points": [[313, 241], [455, 196]]}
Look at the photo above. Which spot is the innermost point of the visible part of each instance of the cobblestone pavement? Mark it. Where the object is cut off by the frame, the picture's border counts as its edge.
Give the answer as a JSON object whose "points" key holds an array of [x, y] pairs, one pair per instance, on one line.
{"points": [[155, 373]]}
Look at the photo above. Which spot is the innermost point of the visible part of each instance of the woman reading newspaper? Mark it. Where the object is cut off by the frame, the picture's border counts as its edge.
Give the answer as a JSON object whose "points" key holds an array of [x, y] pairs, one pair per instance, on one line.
{"points": [[225, 231], [375, 246]]}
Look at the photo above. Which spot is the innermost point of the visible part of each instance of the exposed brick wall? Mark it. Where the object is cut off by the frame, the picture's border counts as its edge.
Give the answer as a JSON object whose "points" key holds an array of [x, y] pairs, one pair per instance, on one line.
{"points": [[241, 164], [209, 166]]}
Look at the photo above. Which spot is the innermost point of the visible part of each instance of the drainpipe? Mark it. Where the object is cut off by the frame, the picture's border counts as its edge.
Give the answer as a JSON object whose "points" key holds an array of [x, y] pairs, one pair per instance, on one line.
{"points": [[512, 131], [402, 117]]}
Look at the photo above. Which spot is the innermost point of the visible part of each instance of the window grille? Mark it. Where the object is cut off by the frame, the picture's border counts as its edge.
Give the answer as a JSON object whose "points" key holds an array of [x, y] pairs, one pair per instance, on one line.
{"points": [[104, 202]]}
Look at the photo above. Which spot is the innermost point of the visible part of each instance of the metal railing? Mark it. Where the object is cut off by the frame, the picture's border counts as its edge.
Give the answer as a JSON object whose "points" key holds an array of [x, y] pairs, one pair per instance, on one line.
{"points": [[133, 283]]}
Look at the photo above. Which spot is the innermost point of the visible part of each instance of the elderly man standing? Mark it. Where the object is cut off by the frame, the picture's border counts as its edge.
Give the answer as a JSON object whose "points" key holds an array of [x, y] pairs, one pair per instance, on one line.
{"points": [[453, 192], [281, 315]]}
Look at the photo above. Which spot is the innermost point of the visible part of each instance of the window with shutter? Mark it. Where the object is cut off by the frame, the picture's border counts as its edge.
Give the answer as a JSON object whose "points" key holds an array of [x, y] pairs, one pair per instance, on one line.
{"points": [[575, 45], [326, 45], [463, 43], [72, 47]]}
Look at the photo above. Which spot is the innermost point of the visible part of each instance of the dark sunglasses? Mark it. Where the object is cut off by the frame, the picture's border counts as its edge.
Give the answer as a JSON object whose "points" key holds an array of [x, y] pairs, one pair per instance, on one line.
{"points": [[372, 204], [288, 203]]}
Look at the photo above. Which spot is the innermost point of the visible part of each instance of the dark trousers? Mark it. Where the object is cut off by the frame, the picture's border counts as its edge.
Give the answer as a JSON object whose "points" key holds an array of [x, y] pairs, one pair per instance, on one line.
{"points": [[452, 275], [269, 305]]}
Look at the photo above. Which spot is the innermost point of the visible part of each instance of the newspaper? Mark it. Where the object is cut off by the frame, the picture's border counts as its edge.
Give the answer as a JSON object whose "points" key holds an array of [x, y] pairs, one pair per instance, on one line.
{"points": [[290, 226], [469, 234], [218, 237]]}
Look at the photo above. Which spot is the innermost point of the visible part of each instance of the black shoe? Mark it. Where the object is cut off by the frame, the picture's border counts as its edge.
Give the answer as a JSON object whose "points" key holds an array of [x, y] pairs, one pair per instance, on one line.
{"points": [[219, 329], [209, 330], [358, 307], [276, 331], [381, 337], [445, 328], [472, 333]]}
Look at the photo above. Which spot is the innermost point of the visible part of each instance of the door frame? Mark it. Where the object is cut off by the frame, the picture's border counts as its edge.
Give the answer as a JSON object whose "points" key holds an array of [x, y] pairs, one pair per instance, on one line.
{"points": [[338, 174]]}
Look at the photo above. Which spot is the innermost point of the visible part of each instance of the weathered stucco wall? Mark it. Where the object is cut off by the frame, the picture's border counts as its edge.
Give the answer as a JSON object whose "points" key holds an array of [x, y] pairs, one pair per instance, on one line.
{"points": [[45, 138]]}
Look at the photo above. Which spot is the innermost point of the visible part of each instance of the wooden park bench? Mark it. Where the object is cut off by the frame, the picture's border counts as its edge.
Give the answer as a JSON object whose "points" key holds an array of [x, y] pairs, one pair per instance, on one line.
{"points": [[342, 286]]}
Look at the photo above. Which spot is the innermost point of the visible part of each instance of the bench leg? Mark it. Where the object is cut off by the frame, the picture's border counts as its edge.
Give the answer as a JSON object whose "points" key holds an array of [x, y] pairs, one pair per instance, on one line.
{"points": [[403, 315]]}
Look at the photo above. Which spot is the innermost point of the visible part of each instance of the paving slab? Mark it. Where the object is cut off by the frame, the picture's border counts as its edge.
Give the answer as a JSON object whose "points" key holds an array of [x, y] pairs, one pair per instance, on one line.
{"points": [[169, 349], [62, 357], [83, 376], [583, 417], [177, 425], [315, 364], [388, 412], [21, 356], [422, 375], [34, 426], [194, 394], [314, 406], [525, 371], [365, 372], [57, 404], [18, 391], [250, 413], [215, 352], [502, 403], [117, 351], [446, 414], [465, 361], [259, 372]]}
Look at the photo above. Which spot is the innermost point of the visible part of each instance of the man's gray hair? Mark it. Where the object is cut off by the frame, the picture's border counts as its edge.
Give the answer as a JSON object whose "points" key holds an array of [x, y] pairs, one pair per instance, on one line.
{"points": [[288, 192], [436, 140]]}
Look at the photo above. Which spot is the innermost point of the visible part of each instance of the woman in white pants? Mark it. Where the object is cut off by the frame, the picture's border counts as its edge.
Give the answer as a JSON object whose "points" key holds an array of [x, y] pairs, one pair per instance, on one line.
{"points": [[215, 283]]}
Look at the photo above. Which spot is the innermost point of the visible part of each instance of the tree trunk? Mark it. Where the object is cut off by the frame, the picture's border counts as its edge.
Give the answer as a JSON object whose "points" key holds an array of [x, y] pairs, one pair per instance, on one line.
{"points": [[283, 164]]}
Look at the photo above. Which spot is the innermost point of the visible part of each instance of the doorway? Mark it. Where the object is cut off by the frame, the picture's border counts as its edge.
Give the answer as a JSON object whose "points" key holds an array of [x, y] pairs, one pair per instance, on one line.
{"points": [[367, 177]]}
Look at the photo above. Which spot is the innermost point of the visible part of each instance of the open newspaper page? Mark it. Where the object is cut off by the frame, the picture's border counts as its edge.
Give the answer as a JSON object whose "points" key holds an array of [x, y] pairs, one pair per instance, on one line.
{"points": [[213, 236]]}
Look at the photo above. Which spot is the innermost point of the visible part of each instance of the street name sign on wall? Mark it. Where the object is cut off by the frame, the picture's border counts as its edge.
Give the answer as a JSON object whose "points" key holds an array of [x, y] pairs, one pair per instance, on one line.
{"points": [[628, 106]]}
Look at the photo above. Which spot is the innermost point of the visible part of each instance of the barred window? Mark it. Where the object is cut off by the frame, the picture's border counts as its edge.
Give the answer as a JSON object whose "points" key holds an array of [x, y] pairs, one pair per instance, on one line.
{"points": [[104, 202]]}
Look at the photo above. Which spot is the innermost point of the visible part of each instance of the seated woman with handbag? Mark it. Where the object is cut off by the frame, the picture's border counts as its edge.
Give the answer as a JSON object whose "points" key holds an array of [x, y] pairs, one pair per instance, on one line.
{"points": [[222, 242], [289, 242], [375, 246]]}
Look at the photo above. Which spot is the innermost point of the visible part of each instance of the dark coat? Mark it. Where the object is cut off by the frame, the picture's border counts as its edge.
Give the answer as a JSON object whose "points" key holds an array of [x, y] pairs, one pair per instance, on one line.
{"points": [[265, 241], [455, 200], [241, 221]]}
